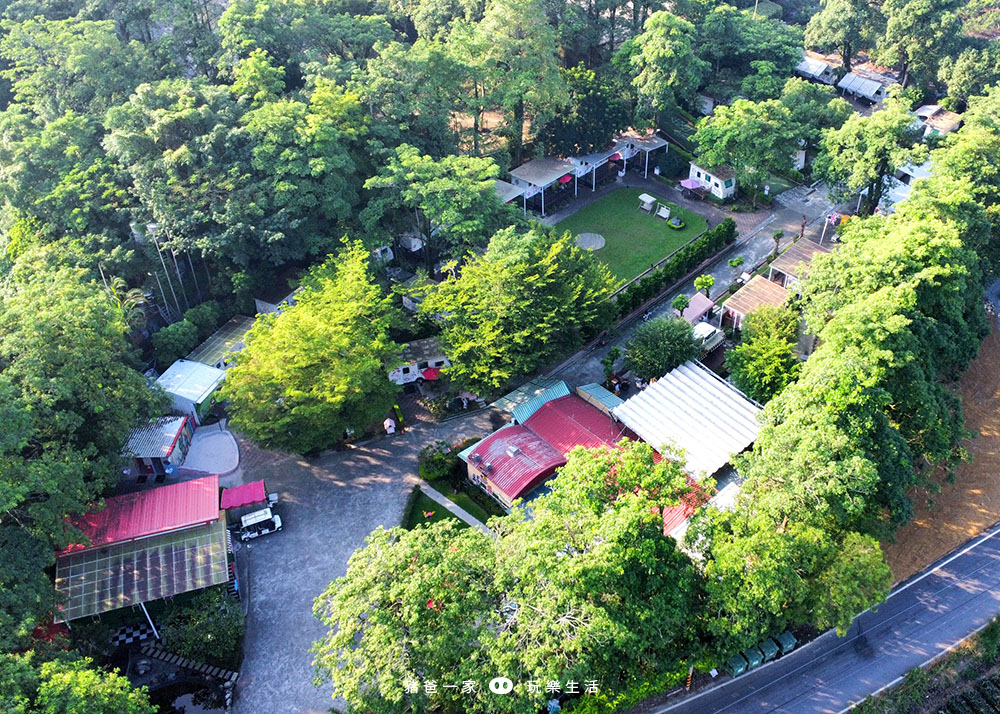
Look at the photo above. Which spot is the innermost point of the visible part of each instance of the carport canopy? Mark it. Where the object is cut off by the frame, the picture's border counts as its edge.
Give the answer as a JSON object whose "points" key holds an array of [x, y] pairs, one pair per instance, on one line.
{"points": [[99, 580], [245, 495]]}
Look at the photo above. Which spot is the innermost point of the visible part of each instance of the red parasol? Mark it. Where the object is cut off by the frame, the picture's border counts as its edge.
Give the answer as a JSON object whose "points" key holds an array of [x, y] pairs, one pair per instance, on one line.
{"points": [[615, 157], [431, 373]]}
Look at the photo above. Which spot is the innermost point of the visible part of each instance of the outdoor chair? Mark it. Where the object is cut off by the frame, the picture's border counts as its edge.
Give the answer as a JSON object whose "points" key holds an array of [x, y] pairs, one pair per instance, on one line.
{"points": [[663, 212]]}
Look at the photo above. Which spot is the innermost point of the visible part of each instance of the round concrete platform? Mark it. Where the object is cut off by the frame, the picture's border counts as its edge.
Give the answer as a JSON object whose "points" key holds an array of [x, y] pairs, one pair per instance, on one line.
{"points": [[590, 241]]}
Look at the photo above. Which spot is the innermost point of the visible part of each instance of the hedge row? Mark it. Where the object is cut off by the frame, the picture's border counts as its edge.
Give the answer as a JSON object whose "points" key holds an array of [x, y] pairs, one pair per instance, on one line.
{"points": [[676, 267]]}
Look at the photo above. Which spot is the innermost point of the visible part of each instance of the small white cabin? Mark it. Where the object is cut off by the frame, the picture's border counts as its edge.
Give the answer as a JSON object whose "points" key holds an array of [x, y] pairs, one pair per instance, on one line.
{"points": [[719, 180]]}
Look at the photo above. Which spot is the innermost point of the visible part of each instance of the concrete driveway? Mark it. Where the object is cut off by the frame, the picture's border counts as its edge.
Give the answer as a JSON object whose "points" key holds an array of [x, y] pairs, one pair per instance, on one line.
{"points": [[328, 506]]}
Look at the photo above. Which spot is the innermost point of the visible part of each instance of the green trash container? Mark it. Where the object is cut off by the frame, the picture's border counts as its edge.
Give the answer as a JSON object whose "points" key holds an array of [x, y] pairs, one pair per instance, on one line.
{"points": [[787, 642], [754, 657], [736, 666], [769, 648]]}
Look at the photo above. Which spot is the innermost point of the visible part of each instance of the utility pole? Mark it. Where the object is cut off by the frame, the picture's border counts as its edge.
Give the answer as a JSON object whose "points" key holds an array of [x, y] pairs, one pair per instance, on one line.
{"points": [[756, 2]]}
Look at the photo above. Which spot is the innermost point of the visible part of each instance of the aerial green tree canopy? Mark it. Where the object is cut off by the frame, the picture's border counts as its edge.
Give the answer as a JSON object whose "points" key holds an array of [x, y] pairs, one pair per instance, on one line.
{"points": [[592, 592], [667, 72], [660, 345], [864, 153], [450, 203], [753, 138], [846, 26], [529, 299], [320, 368]]}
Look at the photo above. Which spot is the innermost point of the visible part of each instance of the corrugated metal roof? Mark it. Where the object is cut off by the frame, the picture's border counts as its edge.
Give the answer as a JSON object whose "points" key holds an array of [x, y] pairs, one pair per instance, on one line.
{"points": [[523, 455], [798, 253], [244, 495], [524, 393], [515, 459], [146, 513], [693, 409], [759, 291], [568, 422], [599, 397], [861, 86], [523, 412], [156, 439], [191, 380]]}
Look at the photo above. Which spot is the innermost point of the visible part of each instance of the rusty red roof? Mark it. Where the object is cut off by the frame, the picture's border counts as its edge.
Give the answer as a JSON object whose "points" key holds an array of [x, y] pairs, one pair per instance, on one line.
{"points": [[515, 459], [145, 513], [518, 457]]}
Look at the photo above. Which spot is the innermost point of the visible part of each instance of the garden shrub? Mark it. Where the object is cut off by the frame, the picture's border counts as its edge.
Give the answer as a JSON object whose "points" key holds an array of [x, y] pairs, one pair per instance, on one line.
{"points": [[209, 629], [205, 317], [174, 341], [436, 461]]}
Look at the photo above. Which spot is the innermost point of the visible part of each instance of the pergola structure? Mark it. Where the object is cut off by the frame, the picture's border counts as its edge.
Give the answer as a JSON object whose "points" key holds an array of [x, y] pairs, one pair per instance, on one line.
{"points": [[538, 175], [508, 193], [631, 143]]}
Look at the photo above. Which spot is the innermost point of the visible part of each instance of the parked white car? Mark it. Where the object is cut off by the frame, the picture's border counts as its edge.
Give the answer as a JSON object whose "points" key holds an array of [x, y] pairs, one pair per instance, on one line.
{"points": [[253, 525]]}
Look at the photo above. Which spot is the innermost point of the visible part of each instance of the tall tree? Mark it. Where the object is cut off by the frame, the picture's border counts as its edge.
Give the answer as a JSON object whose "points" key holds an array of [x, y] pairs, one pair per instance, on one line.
{"points": [[667, 72], [66, 686], [814, 108], [969, 73], [450, 203], [865, 152], [587, 588], [318, 369], [765, 362], [413, 92], [521, 65], [528, 300], [918, 34], [754, 138], [846, 26], [70, 399], [594, 115], [658, 346], [71, 65]]}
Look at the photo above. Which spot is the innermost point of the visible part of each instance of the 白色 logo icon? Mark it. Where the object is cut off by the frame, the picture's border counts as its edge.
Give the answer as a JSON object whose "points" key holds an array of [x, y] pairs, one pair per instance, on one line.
{"points": [[501, 685]]}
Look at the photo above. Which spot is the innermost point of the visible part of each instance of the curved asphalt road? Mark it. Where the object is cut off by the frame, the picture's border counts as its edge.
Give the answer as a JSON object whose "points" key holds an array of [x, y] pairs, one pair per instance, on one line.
{"points": [[923, 618]]}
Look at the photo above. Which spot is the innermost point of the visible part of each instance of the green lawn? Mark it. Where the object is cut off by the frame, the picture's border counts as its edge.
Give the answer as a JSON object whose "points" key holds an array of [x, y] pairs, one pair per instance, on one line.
{"points": [[419, 504], [634, 239]]}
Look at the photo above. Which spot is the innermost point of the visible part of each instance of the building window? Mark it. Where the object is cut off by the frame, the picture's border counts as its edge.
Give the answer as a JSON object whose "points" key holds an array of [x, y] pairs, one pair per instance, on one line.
{"points": [[715, 183], [406, 370], [729, 183], [699, 174]]}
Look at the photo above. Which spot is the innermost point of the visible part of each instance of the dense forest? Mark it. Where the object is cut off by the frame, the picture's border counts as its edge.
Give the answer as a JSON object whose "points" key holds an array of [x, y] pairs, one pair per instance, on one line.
{"points": [[161, 163]]}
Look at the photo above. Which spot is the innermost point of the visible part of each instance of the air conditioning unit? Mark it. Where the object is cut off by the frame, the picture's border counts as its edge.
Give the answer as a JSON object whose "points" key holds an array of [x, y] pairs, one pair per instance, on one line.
{"points": [[513, 451], [487, 468], [476, 458]]}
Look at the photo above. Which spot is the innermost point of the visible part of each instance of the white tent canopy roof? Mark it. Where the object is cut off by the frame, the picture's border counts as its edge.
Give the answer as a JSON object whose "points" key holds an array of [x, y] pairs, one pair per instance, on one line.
{"points": [[693, 409]]}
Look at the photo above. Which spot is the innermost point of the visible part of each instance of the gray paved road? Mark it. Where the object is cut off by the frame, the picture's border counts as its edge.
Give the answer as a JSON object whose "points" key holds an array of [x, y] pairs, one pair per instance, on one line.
{"points": [[328, 505], [920, 620]]}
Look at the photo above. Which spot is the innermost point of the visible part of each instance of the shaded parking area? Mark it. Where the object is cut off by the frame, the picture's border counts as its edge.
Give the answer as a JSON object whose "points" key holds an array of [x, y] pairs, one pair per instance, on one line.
{"points": [[328, 506]]}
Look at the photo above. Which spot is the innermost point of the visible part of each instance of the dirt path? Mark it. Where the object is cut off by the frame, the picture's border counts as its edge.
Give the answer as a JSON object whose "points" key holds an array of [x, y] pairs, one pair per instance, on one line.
{"points": [[970, 505]]}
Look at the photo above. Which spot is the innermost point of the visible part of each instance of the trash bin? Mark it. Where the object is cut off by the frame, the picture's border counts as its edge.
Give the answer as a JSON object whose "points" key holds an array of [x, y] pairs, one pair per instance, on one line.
{"points": [[753, 656], [787, 642], [769, 648], [736, 666]]}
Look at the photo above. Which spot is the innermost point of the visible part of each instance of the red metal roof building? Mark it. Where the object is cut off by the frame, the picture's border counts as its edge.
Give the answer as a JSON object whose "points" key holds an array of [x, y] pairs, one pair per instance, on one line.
{"points": [[145, 513], [144, 546], [515, 459]]}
